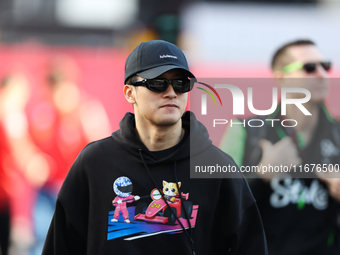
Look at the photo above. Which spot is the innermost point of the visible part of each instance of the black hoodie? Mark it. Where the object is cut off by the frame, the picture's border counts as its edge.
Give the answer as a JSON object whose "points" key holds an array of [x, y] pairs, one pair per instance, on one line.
{"points": [[219, 215]]}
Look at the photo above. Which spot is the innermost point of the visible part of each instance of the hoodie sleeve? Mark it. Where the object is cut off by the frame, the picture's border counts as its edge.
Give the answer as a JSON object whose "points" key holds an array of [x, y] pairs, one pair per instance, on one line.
{"points": [[250, 237], [68, 230], [62, 237]]}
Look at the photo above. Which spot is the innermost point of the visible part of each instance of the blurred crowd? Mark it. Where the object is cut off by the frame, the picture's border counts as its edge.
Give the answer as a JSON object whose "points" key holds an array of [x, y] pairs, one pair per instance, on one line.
{"points": [[40, 137]]}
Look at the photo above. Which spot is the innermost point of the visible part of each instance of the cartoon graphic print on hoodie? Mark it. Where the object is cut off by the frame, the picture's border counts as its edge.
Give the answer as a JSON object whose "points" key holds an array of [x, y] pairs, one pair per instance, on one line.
{"points": [[123, 188], [162, 215], [227, 221], [171, 191]]}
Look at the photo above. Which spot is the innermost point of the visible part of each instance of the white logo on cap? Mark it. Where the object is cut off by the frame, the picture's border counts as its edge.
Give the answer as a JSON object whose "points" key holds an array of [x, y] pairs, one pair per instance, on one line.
{"points": [[167, 56]]}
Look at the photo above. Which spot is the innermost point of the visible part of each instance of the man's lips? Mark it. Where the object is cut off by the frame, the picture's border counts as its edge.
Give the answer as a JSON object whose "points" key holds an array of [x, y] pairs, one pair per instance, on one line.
{"points": [[169, 106]]}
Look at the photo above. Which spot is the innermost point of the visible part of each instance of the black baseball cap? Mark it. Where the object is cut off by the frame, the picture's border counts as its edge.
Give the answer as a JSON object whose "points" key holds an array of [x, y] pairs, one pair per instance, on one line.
{"points": [[152, 58]]}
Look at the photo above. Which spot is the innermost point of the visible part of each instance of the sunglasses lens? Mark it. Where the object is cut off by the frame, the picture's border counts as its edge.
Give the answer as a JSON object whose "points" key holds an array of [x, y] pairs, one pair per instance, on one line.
{"points": [[326, 65], [157, 85], [161, 85], [309, 67], [181, 86]]}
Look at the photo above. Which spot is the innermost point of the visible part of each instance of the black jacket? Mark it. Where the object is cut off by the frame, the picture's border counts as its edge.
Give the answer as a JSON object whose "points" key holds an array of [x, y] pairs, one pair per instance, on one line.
{"points": [[222, 212]]}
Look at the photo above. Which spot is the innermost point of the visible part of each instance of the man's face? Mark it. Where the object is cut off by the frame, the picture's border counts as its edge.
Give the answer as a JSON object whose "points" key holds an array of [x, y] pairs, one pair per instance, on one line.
{"points": [[161, 109], [315, 82]]}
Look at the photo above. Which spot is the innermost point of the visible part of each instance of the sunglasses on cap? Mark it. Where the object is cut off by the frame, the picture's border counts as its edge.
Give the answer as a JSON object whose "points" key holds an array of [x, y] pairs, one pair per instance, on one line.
{"points": [[160, 85], [309, 67]]}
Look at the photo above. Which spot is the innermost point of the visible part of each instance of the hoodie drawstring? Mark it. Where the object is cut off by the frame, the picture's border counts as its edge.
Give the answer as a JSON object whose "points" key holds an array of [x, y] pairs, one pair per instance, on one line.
{"points": [[189, 235], [183, 208]]}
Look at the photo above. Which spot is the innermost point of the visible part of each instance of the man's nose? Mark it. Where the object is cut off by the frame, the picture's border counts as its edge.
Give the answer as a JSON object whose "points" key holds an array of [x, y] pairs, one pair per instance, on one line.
{"points": [[170, 92]]}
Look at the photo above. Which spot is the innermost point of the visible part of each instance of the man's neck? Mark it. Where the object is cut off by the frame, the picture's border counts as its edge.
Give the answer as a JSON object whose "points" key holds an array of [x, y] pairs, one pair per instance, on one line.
{"points": [[306, 123], [157, 138]]}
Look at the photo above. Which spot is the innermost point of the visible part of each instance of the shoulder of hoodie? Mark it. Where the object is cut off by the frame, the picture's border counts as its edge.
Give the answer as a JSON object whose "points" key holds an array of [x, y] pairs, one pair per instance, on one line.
{"points": [[93, 153], [101, 143], [78, 176], [97, 149]]}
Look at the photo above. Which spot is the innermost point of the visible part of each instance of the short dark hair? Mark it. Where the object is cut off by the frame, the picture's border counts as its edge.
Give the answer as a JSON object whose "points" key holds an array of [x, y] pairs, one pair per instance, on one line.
{"points": [[281, 59]]}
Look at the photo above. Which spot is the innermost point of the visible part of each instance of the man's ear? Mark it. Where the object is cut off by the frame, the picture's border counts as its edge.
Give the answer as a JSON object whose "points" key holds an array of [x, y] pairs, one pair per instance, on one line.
{"points": [[129, 93], [278, 74]]}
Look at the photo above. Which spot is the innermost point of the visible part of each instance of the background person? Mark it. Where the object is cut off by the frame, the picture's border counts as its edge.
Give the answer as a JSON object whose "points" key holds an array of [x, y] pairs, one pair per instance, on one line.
{"points": [[62, 123], [26, 166], [299, 214]]}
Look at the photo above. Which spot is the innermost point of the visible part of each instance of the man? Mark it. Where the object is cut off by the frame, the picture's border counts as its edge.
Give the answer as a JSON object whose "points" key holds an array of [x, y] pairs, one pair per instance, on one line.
{"points": [[299, 214], [152, 149]]}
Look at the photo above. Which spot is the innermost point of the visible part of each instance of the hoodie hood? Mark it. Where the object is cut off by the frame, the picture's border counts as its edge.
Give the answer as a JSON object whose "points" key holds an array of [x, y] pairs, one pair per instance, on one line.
{"points": [[196, 142]]}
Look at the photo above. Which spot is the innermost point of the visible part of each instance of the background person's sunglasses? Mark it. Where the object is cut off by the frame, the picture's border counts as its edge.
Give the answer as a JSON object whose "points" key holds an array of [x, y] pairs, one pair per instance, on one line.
{"points": [[160, 85], [309, 67]]}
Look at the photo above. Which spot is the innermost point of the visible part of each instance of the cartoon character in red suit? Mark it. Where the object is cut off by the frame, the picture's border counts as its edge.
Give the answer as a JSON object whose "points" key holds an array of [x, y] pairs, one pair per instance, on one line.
{"points": [[123, 189]]}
